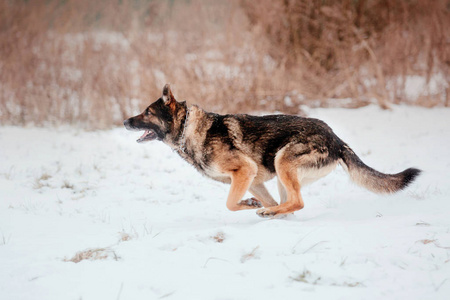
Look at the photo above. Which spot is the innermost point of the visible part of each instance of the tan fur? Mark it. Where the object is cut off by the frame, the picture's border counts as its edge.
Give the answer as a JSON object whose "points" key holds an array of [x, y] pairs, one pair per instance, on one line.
{"points": [[310, 175]]}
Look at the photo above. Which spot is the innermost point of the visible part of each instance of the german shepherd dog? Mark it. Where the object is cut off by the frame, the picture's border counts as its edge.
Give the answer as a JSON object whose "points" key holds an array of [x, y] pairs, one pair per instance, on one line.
{"points": [[245, 151]]}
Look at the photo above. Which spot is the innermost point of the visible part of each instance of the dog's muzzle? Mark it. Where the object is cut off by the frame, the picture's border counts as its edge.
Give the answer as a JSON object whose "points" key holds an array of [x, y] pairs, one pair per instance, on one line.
{"points": [[127, 124], [148, 135]]}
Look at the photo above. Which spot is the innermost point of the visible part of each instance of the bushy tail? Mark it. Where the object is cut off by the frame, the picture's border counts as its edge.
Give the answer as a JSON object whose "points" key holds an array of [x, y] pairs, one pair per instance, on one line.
{"points": [[373, 180]]}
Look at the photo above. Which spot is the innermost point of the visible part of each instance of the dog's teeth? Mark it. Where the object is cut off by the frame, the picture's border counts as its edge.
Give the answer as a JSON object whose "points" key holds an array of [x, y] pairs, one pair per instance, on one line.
{"points": [[144, 135]]}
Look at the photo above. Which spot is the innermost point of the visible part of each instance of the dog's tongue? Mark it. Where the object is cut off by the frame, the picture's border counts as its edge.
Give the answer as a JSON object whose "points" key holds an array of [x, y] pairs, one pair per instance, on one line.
{"points": [[147, 132]]}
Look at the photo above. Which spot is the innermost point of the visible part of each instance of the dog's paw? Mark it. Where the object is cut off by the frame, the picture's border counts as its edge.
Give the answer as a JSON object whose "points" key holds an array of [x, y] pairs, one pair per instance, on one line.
{"points": [[265, 213], [253, 202]]}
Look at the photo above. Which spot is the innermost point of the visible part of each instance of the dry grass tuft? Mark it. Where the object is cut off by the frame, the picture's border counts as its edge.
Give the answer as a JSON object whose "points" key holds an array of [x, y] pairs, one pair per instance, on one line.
{"points": [[219, 237], [93, 254], [302, 277], [124, 237], [422, 223], [434, 242], [251, 255], [67, 185], [426, 241], [307, 277], [41, 181]]}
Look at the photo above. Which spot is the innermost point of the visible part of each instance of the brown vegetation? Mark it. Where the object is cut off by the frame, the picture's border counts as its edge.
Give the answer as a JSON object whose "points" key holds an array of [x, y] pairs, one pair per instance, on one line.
{"points": [[356, 48], [93, 254], [94, 63]]}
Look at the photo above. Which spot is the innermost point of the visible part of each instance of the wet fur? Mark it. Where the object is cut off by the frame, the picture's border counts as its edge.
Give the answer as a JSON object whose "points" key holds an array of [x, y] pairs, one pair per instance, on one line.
{"points": [[245, 151]]}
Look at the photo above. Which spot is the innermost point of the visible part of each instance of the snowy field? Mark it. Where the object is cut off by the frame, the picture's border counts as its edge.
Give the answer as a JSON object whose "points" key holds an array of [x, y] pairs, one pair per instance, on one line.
{"points": [[94, 215]]}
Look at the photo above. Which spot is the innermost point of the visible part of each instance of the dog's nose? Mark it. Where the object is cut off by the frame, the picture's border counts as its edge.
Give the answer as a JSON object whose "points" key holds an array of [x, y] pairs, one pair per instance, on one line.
{"points": [[126, 123]]}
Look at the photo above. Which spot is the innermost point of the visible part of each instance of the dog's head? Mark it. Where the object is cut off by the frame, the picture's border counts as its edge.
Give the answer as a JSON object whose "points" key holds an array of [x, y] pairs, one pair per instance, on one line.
{"points": [[160, 120]]}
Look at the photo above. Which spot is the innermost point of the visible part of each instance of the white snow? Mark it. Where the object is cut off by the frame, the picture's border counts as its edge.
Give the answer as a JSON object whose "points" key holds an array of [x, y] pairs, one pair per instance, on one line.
{"points": [[159, 230], [415, 86]]}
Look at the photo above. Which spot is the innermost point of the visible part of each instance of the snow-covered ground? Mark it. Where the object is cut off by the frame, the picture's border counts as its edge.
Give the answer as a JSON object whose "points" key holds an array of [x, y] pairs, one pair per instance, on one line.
{"points": [[94, 215]]}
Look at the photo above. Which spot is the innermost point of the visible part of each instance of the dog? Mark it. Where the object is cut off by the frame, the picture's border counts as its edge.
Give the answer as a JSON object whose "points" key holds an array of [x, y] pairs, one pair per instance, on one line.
{"points": [[245, 151]]}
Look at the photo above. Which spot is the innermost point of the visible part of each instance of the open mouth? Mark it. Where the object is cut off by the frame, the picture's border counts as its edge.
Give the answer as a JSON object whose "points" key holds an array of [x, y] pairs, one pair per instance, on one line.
{"points": [[148, 135]]}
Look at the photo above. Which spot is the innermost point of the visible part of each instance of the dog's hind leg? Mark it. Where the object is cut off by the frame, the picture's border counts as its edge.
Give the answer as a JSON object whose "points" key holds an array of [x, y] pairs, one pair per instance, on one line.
{"points": [[286, 166], [281, 191], [261, 194], [294, 199]]}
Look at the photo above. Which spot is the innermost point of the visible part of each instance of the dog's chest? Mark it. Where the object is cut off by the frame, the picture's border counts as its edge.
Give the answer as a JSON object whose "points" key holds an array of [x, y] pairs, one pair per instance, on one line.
{"points": [[213, 173], [201, 149], [205, 166]]}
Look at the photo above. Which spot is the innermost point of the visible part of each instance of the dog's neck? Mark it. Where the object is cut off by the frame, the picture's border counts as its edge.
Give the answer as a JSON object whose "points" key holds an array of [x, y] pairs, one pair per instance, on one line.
{"points": [[182, 146]]}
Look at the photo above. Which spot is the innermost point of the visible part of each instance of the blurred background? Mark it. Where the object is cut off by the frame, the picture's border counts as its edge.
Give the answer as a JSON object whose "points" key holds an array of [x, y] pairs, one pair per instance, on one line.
{"points": [[95, 63]]}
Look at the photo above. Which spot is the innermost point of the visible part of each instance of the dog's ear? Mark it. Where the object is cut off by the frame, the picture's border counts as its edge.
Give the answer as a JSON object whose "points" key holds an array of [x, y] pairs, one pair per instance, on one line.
{"points": [[167, 95]]}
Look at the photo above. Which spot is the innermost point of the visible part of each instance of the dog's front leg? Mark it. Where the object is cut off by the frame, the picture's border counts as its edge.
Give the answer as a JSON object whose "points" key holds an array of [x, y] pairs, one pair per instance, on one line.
{"points": [[281, 191], [241, 179], [261, 193]]}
